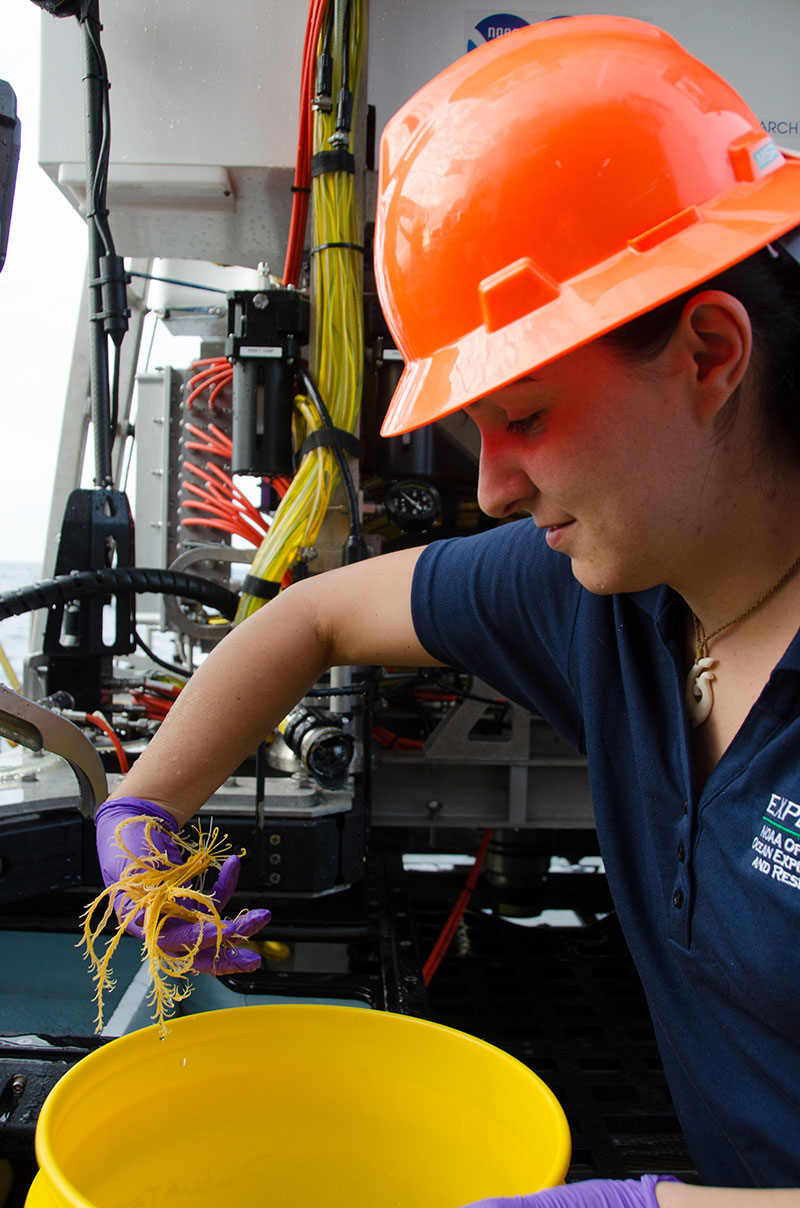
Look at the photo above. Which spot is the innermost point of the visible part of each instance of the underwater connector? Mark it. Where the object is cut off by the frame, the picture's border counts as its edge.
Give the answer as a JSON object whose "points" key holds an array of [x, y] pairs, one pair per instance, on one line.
{"points": [[321, 743]]}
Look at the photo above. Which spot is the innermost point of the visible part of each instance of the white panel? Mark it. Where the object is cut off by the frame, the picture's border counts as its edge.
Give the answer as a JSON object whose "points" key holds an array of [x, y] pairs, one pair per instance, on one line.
{"points": [[755, 46], [204, 102], [192, 82]]}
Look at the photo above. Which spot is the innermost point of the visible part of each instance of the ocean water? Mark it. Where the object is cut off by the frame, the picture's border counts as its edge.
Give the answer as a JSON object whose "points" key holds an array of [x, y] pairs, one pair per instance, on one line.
{"points": [[15, 631]]}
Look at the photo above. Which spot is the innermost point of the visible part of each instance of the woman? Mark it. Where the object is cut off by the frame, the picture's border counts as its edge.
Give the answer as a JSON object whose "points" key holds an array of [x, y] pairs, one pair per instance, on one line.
{"points": [[580, 244]]}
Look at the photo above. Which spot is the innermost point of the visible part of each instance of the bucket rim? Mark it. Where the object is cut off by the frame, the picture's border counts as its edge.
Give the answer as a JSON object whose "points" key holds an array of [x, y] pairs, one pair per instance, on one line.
{"points": [[49, 1169]]}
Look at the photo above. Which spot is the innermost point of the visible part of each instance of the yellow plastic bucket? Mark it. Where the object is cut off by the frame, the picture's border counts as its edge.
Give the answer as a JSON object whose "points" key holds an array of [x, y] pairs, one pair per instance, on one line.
{"points": [[296, 1105]]}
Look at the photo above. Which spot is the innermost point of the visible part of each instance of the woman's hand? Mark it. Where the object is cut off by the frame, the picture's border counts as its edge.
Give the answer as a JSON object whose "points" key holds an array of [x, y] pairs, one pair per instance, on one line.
{"points": [[592, 1193], [175, 936]]}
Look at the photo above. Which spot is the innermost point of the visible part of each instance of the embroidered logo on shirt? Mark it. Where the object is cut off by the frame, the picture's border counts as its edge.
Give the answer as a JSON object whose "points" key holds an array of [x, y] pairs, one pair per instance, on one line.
{"points": [[777, 846]]}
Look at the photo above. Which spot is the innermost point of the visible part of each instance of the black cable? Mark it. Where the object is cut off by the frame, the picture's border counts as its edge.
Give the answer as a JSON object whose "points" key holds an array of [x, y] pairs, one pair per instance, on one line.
{"points": [[102, 116], [95, 79], [356, 544], [184, 672], [346, 47], [328, 40], [114, 416], [172, 281], [84, 585]]}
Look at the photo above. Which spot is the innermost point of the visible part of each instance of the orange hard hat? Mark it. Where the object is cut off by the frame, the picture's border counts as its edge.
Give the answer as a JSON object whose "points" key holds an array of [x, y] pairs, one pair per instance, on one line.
{"points": [[551, 185]]}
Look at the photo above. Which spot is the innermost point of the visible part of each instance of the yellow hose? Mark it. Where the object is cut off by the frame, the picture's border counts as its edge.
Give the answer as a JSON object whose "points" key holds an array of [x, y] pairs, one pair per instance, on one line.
{"points": [[337, 352], [11, 675]]}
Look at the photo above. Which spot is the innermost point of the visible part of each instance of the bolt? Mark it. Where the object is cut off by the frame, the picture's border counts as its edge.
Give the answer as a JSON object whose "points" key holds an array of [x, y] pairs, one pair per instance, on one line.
{"points": [[274, 878], [274, 840], [18, 1083], [260, 301], [274, 858]]}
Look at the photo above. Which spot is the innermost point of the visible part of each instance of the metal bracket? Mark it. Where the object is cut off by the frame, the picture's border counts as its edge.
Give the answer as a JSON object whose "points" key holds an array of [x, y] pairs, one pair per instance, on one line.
{"points": [[38, 729], [451, 740]]}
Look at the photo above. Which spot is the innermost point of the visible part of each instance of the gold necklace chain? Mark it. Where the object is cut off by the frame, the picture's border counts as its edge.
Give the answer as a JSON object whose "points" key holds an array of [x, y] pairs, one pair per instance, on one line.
{"points": [[701, 638]]}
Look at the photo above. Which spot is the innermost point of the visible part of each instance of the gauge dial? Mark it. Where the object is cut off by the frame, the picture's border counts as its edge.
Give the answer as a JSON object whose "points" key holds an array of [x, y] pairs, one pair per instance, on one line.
{"points": [[413, 506]]}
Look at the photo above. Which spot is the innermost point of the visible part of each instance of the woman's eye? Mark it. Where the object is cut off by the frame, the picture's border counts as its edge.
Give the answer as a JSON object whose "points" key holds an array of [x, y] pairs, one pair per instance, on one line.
{"points": [[529, 423]]}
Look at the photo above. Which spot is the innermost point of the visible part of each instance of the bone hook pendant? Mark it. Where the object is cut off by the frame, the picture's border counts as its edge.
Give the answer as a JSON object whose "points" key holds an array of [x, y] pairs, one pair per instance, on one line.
{"points": [[699, 693]]}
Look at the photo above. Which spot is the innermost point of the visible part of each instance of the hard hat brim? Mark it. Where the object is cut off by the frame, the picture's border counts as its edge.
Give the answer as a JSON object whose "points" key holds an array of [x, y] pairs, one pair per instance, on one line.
{"points": [[720, 233]]}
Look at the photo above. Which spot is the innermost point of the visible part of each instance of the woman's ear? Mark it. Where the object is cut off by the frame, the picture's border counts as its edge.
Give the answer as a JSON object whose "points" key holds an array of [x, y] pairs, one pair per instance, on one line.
{"points": [[716, 331]]}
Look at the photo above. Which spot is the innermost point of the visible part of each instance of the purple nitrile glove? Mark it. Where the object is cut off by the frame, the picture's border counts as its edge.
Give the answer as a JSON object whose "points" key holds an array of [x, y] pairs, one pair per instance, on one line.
{"points": [[592, 1193], [176, 937]]}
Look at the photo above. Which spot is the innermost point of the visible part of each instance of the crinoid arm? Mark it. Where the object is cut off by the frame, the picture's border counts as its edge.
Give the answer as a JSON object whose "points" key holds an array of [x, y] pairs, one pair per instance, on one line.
{"points": [[153, 892]]}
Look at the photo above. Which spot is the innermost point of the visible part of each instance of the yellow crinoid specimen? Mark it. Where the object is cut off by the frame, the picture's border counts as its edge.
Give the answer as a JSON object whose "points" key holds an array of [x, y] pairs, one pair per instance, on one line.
{"points": [[157, 889]]}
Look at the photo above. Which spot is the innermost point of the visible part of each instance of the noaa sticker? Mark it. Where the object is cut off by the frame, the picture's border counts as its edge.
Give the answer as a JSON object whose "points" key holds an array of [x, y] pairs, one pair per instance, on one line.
{"points": [[493, 27]]}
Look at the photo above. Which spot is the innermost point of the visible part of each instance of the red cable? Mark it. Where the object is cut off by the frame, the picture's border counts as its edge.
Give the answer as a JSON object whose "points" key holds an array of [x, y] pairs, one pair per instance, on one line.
{"points": [[209, 496], [237, 494], [218, 381], [448, 931], [302, 174], [222, 437], [207, 361], [157, 687], [225, 526], [155, 707], [387, 738], [224, 380], [210, 489], [103, 725]]}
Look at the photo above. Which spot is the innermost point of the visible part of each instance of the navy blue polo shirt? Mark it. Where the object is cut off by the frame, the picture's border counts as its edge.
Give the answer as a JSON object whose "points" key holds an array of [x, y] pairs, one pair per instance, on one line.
{"points": [[707, 887]]}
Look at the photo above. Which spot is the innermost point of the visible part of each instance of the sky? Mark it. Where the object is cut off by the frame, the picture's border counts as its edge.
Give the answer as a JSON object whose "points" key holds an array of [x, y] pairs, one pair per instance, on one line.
{"points": [[41, 293], [41, 288]]}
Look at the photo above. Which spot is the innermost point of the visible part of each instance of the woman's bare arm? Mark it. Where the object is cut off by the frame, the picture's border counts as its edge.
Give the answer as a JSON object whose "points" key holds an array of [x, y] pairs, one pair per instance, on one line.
{"points": [[686, 1195], [359, 614]]}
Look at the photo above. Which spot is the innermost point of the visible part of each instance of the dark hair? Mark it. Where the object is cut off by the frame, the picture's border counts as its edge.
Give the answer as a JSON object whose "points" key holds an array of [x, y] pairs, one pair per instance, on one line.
{"points": [[768, 286]]}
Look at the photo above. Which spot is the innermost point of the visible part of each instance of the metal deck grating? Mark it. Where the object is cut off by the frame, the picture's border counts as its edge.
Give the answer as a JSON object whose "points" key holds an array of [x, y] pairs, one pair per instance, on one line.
{"points": [[567, 1002]]}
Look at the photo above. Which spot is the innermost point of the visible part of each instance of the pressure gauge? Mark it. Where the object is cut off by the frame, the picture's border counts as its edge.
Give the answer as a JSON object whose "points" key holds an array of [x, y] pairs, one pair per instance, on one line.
{"points": [[413, 506]]}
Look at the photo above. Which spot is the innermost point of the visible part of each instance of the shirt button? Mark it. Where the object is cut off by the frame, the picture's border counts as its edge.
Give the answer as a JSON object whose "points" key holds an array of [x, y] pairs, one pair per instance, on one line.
{"points": [[681, 852], [677, 899]]}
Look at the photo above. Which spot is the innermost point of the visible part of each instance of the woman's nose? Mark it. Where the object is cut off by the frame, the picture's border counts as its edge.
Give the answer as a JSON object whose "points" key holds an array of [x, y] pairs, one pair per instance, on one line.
{"points": [[503, 486]]}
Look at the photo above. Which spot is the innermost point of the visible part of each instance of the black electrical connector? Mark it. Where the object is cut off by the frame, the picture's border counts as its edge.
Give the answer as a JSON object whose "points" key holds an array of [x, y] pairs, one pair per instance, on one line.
{"points": [[323, 87], [344, 118], [321, 744], [113, 281]]}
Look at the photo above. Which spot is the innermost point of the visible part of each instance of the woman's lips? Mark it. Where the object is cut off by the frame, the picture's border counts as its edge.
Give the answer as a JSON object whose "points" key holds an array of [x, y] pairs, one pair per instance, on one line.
{"points": [[554, 533]]}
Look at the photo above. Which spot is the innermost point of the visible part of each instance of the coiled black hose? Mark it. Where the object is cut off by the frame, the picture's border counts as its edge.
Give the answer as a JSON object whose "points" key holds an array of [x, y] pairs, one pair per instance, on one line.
{"points": [[120, 581]]}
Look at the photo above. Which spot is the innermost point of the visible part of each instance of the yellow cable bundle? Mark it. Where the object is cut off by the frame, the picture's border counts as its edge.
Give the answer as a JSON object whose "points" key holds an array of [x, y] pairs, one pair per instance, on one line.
{"points": [[336, 320]]}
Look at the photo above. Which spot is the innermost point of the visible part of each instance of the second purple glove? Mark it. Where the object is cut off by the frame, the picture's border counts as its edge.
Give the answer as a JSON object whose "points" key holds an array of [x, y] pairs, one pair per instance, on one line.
{"points": [[592, 1193], [176, 937]]}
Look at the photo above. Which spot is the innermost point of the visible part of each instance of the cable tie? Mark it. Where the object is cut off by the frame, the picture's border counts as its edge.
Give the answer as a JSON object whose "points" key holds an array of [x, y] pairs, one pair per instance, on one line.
{"points": [[265, 589], [327, 438], [323, 247], [300, 189], [332, 161]]}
